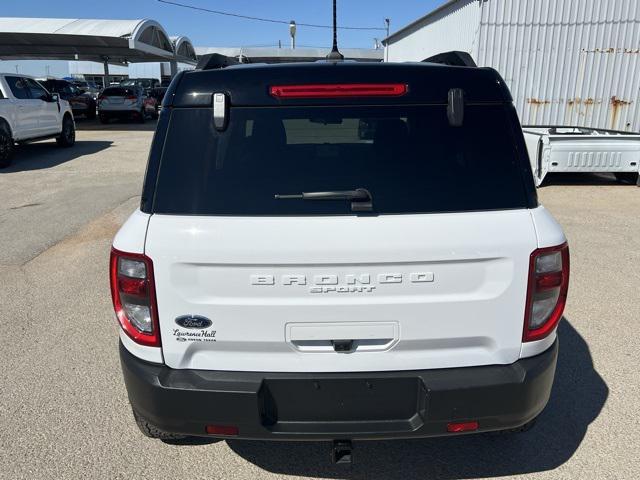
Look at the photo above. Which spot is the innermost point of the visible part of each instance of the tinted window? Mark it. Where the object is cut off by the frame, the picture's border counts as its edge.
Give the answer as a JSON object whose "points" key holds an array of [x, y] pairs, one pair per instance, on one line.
{"points": [[141, 82], [408, 157], [35, 89], [118, 92], [64, 88], [71, 89], [18, 87]]}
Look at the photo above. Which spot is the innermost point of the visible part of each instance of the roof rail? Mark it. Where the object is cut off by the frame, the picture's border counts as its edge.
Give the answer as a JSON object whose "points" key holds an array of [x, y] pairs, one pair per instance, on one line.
{"points": [[453, 58], [212, 61]]}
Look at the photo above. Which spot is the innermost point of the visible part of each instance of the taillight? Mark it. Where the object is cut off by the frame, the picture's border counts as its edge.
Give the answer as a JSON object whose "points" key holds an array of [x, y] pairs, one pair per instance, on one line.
{"points": [[339, 90], [133, 294], [131, 97], [546, 292], [462, 426]]}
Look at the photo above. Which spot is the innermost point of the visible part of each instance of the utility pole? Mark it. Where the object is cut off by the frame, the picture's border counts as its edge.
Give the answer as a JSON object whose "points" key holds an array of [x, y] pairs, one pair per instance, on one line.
{"points": [[292, 32], [386, 48]]}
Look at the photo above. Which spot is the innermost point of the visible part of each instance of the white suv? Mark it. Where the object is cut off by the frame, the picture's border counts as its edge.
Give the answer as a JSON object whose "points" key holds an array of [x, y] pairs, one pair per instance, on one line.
{"points": [[28, 112], [412, 290]]}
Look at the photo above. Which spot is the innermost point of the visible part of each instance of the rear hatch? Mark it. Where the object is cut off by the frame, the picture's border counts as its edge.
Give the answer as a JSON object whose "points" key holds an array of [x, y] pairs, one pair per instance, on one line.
{"points": [[433, 276], [118, 97]]}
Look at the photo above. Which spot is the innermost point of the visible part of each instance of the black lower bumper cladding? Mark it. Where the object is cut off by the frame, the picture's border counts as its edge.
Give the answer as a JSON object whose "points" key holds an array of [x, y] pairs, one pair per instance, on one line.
{"points": [[326, 406]]}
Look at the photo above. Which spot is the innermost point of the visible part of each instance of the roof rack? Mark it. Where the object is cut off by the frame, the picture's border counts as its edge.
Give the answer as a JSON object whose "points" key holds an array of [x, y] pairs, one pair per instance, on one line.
{"points": [[213, 61], [453, 58]]}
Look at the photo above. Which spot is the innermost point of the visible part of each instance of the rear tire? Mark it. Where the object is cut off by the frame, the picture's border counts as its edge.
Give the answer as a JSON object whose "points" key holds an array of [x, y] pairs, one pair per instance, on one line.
{"points": [[67, 137], [150, 430], [6, 145], [629, 178]]}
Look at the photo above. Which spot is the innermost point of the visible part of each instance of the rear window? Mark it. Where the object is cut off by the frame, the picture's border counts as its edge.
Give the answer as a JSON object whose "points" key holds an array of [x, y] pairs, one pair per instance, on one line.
{"points": [[408, 157], [118, 92], [143, 82]]}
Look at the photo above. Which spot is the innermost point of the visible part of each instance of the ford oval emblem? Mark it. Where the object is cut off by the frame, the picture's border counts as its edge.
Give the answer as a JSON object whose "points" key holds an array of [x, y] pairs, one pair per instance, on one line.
{"points": [[193, 321]]}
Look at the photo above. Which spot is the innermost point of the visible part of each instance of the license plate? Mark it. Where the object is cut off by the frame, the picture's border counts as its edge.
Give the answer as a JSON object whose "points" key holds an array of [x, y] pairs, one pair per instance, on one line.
{"points": [[345, 400]]}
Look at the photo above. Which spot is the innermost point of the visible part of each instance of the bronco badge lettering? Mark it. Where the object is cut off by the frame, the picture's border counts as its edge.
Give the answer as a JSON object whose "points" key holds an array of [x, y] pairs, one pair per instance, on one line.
{"points": [[351, 283]]}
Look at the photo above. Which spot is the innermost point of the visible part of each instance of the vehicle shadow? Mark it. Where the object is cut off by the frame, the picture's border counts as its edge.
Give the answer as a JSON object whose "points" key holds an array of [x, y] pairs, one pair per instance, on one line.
{"points": [[46, 154], [578, 396], [581, 179], [116, 124]]}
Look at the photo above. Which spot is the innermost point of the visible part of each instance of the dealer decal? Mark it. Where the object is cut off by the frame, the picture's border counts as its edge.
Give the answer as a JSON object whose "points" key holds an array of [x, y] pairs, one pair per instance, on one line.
{"points": [[194, 329]]}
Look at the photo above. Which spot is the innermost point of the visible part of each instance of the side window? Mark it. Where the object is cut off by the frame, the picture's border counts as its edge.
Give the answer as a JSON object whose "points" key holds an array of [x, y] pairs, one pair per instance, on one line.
{"points": [[18, 87], [36, 90]]}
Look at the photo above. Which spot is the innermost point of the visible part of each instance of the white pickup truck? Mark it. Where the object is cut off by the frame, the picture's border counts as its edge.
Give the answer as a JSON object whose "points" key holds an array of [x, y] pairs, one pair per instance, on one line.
{"points": [[28, 112], [556, 149]]}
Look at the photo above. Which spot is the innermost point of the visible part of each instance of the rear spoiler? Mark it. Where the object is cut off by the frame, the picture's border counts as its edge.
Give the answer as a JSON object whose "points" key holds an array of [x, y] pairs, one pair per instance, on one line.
{"points": [[213, 61], [453, 58]]}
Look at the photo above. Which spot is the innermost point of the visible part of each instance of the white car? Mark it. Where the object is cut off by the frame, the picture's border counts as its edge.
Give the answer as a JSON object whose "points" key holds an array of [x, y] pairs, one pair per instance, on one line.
{"points": [[338, 251], [129, 102], [28, 112]]}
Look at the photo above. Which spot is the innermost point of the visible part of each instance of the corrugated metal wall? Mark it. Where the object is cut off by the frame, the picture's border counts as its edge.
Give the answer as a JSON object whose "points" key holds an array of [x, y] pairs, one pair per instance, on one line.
{"points": [[567, 62], [421, 42]]}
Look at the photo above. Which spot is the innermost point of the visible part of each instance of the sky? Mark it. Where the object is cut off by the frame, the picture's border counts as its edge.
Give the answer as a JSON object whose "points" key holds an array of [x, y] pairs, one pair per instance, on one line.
{"points": [[206, 29]]}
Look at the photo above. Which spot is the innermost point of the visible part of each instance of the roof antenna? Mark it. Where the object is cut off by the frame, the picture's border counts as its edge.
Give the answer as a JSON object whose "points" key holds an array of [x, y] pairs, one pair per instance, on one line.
{"points": [[334, 54]]}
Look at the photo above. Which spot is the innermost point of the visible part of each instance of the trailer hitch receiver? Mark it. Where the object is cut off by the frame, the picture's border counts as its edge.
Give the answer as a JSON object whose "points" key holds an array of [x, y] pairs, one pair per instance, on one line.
{"points": [[342, 452]]}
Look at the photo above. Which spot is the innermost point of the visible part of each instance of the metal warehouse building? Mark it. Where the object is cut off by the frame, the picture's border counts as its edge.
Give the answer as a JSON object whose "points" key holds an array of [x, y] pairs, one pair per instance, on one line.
{"points": [[567, 62]]}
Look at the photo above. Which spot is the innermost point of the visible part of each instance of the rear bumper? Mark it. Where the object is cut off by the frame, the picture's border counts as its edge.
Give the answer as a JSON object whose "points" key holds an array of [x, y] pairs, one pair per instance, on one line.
{"points": [[115, 111], [325, 406]]}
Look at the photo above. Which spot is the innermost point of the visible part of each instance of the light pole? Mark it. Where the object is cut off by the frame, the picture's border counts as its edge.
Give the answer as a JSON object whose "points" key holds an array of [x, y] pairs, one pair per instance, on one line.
{"points": [[292, 32], [386, 49]]}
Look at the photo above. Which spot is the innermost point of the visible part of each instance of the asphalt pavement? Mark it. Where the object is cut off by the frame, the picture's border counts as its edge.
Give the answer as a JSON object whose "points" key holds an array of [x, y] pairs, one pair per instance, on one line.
{"points": [[64, 413]]}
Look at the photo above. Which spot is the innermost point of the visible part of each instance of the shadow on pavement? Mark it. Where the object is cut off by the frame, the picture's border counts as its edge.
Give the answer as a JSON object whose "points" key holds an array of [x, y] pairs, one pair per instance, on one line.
{"points": [[578, 396], [46, 154], [116, 124], [581, 179], [192, 441]]}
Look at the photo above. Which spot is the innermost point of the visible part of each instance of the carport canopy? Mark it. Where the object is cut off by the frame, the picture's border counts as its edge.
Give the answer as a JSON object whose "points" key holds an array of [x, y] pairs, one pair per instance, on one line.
{"points": [[184, 50], [115, 42]]}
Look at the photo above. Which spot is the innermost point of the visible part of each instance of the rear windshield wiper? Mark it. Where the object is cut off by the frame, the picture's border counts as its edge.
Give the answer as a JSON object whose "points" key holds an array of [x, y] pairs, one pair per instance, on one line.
{"points": [[361, 199]]}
